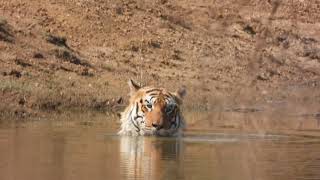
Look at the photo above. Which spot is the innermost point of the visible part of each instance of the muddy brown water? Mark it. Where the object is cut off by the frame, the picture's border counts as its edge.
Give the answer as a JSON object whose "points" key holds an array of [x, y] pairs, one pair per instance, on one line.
{"points": [[87, 147]]}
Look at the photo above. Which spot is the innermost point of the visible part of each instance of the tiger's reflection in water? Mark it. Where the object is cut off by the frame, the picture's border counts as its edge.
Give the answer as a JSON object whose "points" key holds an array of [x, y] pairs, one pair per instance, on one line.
{"points": [[151, 157]]}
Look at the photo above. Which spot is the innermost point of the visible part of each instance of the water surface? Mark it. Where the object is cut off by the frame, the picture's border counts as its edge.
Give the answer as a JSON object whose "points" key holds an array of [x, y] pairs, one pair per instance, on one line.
{"points": [[83, 149]]}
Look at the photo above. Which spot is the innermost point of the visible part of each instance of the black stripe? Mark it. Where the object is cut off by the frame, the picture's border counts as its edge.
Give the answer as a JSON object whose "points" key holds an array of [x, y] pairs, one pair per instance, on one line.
{"points": [[135, 118], [177, 127], [137, 108], [166, 95], [152, 98], [132, 120], [138, 129], [153, 94], [151, 90]]}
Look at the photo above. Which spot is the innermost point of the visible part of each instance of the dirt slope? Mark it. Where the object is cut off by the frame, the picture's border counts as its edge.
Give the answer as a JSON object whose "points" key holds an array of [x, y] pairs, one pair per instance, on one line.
{"points": [[58, 54]]}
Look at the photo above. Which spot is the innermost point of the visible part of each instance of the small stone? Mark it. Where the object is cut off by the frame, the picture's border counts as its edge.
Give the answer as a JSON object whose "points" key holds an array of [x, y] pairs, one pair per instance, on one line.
{"points": [[263, 77], [38, 56]]}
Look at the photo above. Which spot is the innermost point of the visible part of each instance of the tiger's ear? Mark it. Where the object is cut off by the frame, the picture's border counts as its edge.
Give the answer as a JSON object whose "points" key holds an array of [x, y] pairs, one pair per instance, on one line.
{"points": [[134, 87], [181, 92]]}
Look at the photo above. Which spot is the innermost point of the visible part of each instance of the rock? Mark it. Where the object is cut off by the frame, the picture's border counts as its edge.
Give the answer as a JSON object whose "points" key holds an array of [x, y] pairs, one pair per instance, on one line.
{"points": [[263, 77], [15, 73], [56, 40], [5, 34], [69, 57], [248, 29], [87, 72], [38, 56], [22, 63]]}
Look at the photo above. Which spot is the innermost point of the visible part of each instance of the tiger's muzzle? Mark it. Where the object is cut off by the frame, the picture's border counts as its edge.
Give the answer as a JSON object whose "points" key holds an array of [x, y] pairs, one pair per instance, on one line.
{"points": [[157, 117]]}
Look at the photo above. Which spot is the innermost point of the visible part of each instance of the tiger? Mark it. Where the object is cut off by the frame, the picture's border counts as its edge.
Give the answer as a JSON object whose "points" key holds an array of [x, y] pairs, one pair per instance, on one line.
{"points": [[152, 111]]}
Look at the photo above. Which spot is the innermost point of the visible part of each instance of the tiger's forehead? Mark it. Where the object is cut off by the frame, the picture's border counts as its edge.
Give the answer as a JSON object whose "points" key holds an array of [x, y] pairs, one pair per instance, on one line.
{"points": [[150, 94], [154, 91]]}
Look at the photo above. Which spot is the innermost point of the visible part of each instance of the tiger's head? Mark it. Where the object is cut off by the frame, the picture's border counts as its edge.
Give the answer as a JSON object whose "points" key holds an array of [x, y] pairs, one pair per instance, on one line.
{"points": [[152, 111]]}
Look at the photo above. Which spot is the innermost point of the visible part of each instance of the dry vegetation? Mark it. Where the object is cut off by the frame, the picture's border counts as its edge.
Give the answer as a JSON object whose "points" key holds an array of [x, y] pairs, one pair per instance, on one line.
{"points": [[239, 56]]}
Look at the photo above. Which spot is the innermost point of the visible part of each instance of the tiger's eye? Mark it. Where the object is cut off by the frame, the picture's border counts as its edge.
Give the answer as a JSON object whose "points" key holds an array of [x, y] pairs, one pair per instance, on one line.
{"points": [[169, 108], [149, 106]]}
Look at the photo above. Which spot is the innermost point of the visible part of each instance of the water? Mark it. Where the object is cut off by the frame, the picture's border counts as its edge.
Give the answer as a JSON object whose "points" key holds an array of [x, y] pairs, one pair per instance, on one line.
{"points": [[83, 149]]}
